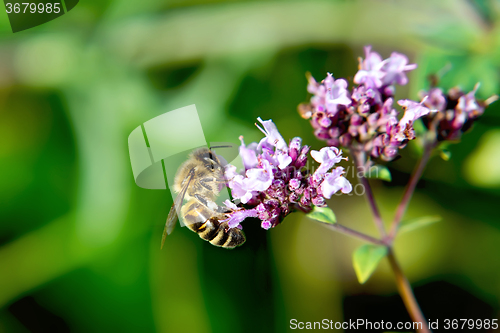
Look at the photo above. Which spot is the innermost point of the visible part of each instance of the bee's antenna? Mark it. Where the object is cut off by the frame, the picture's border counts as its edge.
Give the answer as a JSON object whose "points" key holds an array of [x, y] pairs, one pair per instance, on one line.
{"points": [[221, 147]]}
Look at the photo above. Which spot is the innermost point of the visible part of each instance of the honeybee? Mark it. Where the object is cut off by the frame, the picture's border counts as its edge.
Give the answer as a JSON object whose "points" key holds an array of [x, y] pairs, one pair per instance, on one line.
{"points": [[199, 180]]}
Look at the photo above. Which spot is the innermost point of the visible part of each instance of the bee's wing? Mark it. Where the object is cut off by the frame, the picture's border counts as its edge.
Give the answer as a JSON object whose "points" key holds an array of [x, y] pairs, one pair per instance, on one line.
{"points": [[172, 215], [171, 221]]}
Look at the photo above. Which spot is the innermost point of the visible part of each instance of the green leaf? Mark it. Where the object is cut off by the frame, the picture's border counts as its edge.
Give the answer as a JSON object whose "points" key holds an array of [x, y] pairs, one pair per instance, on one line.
{"points": [[379, 172], [365, 260], [445, 154], [323, 214], [443, 150], [462, 69], [419, 222]]}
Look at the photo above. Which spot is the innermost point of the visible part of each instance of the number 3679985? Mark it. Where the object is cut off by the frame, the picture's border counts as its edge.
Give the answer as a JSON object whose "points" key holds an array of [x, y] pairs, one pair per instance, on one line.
{"points": [[32, 8]]}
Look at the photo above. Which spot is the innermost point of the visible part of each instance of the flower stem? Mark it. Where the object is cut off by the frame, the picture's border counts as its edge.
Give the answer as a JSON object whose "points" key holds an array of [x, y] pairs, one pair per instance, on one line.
{"points": [[359, 161], [402, 283], [407, 295], [353, 233], [410, 188]]}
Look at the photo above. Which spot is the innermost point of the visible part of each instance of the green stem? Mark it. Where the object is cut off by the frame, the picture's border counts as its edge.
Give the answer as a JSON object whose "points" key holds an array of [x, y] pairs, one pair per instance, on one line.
{"points": [[402, 283], [407, 295], [410, 188], [353, 233], [359, 159]]}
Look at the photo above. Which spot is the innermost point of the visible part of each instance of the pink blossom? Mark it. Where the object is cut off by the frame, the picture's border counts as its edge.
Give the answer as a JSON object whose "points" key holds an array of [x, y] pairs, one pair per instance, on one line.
{"points": [[335, 181], [266, 225], [237, 216], [336, 93], [274, 137], [370, 69], [284, 160], [413, 111], [328, 157], [435, 99], [395, 67], [468, 104], [259, 179], [248, 154]]}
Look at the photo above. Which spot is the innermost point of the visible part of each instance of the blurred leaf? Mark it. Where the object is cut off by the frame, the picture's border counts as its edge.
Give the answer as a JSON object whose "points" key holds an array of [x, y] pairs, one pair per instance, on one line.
{"points": [[465, 70], [450, 24], [419, 222], [379, 172], [323, 214], [445, 154], [365, 260], [482, 166]]}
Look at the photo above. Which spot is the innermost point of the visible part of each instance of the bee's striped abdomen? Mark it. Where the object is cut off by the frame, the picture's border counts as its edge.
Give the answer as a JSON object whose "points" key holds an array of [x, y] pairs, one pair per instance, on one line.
{"points": [[228, 238], [208, 230], [217, 233]]}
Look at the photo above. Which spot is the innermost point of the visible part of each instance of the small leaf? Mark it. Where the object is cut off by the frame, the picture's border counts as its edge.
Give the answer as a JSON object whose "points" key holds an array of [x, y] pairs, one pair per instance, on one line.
{"points": [[445, 154], [323, 214], [379, 172], [419, 222], [365, 260]]}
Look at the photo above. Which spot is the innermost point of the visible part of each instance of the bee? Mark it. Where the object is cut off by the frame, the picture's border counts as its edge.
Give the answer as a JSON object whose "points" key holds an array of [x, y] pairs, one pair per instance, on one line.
{"points": [[199, 180]]}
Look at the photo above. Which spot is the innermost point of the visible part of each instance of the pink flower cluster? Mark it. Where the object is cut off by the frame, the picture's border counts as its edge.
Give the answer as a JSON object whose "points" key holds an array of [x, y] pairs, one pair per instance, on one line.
{"points": [[456, 111], [364, 119], [275, 180]]}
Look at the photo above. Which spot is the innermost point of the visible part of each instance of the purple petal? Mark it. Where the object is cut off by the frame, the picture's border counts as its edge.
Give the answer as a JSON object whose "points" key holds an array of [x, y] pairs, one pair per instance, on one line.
{"points": [[259, 179], [373, 59], [248, 154], [435, 99], [230, 205], [295, 145], [236, 217], [394, 67], [238, 187], [413, 111], [328, 157], [370, 73], [334, 182], [230, 172], [273, 136], [468, 104], [266, 225], [337, 93], [284, 160]]}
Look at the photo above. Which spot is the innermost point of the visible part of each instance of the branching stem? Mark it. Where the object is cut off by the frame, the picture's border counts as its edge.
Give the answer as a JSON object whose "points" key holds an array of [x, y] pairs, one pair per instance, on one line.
{"points": [[402, 283], [407, 295], [359, 161], [353, 233], [410, 188]]}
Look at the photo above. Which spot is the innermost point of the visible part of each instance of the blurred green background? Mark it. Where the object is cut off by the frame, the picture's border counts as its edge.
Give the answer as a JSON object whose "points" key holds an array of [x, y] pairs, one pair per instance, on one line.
{"points": [[79, 241]]}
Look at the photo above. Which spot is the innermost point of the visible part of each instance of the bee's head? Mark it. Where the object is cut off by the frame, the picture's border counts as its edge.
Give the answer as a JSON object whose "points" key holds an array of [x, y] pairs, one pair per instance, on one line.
{"points": [[209, 159]]}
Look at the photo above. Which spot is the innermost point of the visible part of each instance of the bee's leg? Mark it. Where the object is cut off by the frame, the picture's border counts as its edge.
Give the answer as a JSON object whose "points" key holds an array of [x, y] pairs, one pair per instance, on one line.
{"points": [[207, 202], [205, 182], [222, 210]]}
